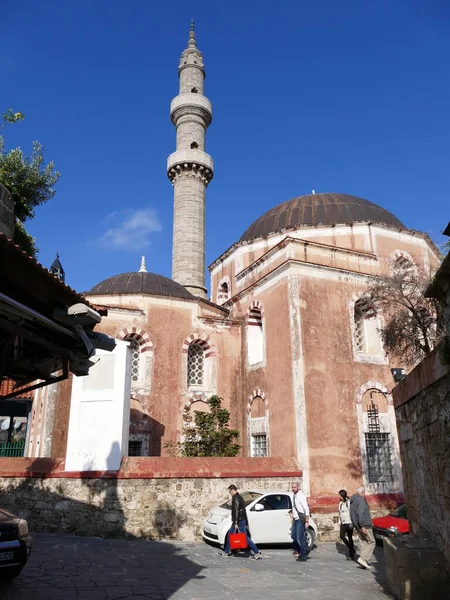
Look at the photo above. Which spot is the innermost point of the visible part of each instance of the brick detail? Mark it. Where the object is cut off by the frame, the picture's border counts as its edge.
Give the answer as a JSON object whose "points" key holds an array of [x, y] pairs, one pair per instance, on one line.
{"points": [[205, 343], [138, 334], [255, 313], [257, 393], [373, 385], [255, 306]]}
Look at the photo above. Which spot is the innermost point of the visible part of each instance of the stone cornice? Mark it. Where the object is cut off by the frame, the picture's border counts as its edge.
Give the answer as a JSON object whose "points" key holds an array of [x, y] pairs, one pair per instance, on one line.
{"points": [[295, 262], [288, 240]]}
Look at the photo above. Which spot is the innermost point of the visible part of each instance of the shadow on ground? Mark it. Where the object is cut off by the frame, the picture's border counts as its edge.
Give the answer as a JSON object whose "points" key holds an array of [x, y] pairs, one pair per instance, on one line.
{"points": [[378, 566], [76, 568]]}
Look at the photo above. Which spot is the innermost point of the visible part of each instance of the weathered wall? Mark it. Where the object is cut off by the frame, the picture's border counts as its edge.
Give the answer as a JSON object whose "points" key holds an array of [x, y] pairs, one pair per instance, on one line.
{"points": [[150, 508], [157, 402], [332, 380], [422, 402], [152, 498]]}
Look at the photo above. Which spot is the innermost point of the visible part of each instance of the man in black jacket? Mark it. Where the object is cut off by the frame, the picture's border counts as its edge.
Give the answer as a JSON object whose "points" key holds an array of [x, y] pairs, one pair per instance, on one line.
{"points": [[362, 522], [239, 523]]}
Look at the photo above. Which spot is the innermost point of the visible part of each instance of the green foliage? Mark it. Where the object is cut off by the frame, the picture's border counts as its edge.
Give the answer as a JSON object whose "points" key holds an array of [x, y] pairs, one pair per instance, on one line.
{"points": [[24, 239], [209, 435], [11, 117], [29, 180]]}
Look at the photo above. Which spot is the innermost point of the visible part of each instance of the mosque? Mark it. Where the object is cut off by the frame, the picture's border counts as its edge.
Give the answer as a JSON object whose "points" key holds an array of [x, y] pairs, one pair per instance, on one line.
{"points": [[287, 337]]}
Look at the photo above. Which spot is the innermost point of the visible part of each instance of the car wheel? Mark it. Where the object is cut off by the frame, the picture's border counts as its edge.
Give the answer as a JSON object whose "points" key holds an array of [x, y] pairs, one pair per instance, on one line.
{"points": [[310, 538], [10, 573]]}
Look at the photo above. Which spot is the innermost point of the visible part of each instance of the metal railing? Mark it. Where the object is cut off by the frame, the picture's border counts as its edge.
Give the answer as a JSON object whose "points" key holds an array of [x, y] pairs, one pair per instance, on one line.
{"points": [[12, 449]]}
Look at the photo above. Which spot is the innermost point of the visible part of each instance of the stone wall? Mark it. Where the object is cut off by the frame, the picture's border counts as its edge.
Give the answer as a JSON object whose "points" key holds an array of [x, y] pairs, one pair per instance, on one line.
{"points": [[6, 212], [422, 402], [149, 508], [153, 498]]}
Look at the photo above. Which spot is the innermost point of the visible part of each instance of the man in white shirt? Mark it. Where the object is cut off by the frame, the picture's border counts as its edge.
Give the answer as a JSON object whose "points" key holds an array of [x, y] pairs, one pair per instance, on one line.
{"points": [[300, 511]]}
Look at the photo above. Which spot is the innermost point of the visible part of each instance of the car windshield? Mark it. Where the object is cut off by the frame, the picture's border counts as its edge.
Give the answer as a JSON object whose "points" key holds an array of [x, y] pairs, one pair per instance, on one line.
{"points": [[247, 496], [400, 512]]}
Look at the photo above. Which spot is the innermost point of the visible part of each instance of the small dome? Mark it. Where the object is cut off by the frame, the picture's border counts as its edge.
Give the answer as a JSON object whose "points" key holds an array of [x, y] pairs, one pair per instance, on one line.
{"points": [[319, 209], [141, 283]]}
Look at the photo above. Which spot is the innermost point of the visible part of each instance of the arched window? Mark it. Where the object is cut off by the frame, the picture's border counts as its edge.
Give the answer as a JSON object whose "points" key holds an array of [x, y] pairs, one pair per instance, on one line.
{"points": [[381, 468], [194, 145], [403, 263], [258, 424], [255, 336], [378, 443], [135, 359], [223, 293], [142, 355], [196, 365], [367, 339]]}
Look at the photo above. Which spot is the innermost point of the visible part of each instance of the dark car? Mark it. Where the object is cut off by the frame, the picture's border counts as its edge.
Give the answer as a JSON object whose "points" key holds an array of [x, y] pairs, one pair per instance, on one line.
{"points": [[396, 523], [15, 545]]}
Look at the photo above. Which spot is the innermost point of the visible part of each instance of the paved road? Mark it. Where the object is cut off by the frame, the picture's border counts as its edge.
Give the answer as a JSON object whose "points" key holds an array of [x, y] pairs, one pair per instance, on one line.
{"points": [[72, 568]]}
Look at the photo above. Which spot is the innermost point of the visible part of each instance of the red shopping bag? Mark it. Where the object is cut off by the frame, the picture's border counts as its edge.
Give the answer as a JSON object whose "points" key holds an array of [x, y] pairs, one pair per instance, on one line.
{"points": [[238, 541]]}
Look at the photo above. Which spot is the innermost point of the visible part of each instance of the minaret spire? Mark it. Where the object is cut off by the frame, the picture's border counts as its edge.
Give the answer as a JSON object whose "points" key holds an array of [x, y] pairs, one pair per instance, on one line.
{"points": [[190, 170], [192, 43]]}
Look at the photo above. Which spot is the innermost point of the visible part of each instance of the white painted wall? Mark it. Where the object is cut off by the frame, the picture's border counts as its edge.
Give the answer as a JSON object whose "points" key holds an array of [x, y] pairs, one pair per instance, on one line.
{"points": [[100, 413]]}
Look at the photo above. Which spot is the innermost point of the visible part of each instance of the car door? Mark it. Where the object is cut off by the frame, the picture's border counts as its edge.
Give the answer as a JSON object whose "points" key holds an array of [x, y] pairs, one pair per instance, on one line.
{"points": [[271, 525]]}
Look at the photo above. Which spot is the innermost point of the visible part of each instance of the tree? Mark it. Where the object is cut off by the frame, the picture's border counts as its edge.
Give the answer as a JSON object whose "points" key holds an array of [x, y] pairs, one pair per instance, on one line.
{"points": [[28, 179], [209, 435], [413, 324]]}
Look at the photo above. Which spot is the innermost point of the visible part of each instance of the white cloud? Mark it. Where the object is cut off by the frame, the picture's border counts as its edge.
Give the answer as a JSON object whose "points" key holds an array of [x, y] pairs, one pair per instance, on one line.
{"points": [[132, 229]]}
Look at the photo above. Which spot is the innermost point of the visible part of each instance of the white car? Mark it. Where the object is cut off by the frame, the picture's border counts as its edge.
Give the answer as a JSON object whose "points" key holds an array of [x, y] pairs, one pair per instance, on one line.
{"points": [[268, 518]]}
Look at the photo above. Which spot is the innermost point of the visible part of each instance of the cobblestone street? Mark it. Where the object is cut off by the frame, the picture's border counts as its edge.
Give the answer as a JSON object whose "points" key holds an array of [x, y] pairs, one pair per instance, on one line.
{"points": [[73, 568]]}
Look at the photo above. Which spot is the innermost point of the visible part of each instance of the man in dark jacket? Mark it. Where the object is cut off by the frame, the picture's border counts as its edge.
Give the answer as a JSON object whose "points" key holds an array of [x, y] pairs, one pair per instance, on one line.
{"points": [[362, 522], [239, 523]]}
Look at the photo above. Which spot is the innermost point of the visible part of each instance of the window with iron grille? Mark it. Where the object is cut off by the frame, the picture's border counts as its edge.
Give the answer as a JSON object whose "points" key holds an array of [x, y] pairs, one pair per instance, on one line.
{"points": [[196, 365], [135, 359], [259, 444], [379, 460], [135, 448]]}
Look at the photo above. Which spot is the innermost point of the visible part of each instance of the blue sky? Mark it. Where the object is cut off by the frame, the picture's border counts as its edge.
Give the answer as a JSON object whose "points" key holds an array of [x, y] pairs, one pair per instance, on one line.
{"points": [[345, 96]]}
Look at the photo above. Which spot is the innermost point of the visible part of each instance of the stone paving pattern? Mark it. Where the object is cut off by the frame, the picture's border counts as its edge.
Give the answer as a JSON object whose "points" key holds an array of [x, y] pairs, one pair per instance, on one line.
{"points": [[74, 568]]}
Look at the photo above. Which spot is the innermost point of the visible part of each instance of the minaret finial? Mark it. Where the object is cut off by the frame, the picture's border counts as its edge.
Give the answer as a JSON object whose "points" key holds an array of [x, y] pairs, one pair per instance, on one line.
{"points": [[143, 268], [192, 41]]}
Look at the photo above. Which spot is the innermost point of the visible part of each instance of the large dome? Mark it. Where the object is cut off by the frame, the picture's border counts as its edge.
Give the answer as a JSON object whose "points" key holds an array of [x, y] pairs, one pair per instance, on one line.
{"points": [[141, 283], [319, 209]]}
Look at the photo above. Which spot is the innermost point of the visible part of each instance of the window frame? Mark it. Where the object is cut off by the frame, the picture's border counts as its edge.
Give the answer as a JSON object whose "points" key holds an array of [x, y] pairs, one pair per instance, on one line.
{"points": [[196, 384], [255, 445]]}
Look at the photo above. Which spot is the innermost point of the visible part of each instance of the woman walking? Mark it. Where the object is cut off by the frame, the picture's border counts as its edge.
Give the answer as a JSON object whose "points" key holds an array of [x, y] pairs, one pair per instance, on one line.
{"points": [[346, 529]]}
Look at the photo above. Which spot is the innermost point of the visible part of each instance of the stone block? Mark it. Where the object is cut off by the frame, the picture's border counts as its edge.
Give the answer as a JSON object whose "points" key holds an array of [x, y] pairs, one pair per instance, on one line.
{"points": [[111, 517], [415, 569]]}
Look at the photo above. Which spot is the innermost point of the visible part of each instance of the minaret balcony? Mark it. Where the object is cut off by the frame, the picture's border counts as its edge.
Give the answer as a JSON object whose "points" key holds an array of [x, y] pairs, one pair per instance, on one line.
{"points": [[191, 104], [188, 158]]}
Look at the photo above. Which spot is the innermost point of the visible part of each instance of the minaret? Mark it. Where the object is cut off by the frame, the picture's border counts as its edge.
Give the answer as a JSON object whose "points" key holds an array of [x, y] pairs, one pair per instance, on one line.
{"points": [[57, 270], [190, 170]]}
